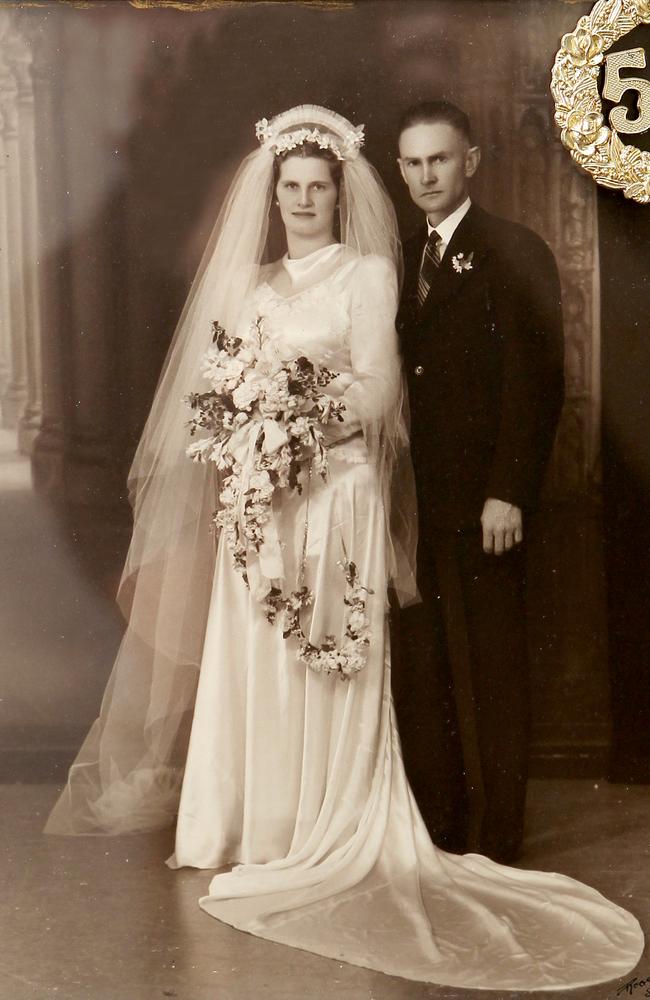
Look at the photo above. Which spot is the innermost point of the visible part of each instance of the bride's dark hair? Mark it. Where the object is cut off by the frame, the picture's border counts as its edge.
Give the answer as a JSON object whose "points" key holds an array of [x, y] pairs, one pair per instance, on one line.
{"points": [[305, 150]]}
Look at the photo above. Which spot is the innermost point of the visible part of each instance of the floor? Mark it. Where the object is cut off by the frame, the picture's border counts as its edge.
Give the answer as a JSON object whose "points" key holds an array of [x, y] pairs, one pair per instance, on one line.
{"points": [[51, 613], [104, 919]]}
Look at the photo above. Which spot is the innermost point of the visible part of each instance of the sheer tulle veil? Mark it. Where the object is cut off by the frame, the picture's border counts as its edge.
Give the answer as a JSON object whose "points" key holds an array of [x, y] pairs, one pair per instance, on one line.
{"points": [[127, 775]]}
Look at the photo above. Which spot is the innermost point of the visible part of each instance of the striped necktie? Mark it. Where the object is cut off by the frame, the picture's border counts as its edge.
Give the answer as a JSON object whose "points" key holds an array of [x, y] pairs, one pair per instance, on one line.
{"points": [[430, 263]]}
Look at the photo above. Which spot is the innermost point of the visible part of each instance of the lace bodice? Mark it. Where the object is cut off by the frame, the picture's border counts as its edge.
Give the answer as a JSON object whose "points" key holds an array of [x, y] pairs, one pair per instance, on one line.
{"points": [[341, 314], [315, 320]]}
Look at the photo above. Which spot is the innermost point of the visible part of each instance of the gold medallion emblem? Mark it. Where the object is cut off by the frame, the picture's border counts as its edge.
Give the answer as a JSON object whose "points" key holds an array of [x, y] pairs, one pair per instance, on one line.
{"points": [[594, 144]]}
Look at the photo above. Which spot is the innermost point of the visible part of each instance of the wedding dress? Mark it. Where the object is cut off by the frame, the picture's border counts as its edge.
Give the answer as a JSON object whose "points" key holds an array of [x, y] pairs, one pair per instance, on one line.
{"points": [[296, 777]]}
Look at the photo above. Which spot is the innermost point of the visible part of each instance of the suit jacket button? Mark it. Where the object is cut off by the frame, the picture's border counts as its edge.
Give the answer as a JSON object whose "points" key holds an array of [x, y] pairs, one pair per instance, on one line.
{"points": [[419, 370]]}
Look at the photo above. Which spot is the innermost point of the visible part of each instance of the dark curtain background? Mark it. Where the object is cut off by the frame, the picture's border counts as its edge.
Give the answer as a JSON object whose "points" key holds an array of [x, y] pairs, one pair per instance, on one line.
{"points": [[141, 117], [625, 268]]}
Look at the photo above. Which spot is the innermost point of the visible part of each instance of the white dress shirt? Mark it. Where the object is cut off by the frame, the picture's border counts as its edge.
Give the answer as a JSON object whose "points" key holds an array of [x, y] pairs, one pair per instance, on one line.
{"points": [[448, 226]]}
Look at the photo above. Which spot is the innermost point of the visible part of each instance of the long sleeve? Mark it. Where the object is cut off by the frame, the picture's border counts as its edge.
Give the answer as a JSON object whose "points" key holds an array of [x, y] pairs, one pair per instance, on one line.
{"points": [[375, 402], [376, 385]]}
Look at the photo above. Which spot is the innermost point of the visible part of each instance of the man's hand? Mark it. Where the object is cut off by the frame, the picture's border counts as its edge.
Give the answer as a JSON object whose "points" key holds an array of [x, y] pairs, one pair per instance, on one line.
{"points": [[502, 526]]}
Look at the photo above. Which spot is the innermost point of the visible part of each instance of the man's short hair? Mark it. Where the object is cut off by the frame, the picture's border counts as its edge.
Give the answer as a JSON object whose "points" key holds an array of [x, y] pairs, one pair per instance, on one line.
{"points": [[433, 112]]}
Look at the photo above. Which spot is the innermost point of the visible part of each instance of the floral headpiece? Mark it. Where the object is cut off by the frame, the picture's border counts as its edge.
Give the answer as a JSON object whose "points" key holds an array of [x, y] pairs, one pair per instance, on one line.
{"points": [[325, 128]]}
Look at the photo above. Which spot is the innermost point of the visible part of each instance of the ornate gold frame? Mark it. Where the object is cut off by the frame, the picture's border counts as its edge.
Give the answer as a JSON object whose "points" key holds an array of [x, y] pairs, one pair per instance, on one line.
{"points": [[578, 108]]}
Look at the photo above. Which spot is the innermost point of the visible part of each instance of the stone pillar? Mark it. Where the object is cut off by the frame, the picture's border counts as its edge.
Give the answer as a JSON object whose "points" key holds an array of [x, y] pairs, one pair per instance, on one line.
{"points": [[52, 253], [15, 395], [30, 422], [5, 318]]}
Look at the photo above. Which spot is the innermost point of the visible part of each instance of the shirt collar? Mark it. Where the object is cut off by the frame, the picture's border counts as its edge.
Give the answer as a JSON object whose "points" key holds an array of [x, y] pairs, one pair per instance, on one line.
{"points": [[448, 226]]}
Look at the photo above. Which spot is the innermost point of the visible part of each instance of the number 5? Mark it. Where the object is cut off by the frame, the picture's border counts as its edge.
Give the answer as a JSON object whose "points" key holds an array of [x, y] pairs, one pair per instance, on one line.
{"points": [[615, 87]]}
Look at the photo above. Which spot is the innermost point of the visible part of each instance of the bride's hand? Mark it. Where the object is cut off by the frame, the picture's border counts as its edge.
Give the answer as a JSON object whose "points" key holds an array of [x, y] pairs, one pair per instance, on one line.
{"points": [[339, 430]]}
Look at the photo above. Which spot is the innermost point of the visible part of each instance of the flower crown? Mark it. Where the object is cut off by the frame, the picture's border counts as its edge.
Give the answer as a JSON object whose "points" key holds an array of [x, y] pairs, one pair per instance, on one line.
{"points": [[321, 126]]}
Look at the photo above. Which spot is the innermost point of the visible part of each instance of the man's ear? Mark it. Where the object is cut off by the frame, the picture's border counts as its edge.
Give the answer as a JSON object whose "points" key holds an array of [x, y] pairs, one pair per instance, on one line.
{"points": [[472, 160], [400, 162]]}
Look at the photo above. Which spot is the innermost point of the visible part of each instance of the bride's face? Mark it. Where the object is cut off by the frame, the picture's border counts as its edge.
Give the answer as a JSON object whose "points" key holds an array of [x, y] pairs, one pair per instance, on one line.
{"points": [[307, 196]]}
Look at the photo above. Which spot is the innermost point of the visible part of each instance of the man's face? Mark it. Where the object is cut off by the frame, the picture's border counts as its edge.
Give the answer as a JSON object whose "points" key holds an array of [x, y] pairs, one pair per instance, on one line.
{"points": [[436, 162]]}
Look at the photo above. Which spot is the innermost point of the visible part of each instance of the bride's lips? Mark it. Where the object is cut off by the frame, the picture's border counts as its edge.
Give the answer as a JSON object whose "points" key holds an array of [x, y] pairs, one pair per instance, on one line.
{"points": [[307, 215]]}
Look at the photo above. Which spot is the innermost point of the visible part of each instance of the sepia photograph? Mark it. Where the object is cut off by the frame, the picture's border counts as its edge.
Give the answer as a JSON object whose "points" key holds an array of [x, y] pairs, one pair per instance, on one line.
{"points": [[324, 499]]}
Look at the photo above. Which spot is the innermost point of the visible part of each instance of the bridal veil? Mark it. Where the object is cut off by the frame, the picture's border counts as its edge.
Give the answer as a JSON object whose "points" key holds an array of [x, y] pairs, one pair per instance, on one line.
{"points": [[127, 775]]}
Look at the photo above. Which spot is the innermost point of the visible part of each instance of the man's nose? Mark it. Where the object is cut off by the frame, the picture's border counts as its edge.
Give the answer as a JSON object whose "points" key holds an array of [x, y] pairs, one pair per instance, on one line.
{"points": [[428, 174]]}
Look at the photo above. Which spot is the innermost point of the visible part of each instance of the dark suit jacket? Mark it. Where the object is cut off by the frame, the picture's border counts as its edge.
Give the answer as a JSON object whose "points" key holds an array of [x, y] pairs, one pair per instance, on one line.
{"points": [[484, 366]]}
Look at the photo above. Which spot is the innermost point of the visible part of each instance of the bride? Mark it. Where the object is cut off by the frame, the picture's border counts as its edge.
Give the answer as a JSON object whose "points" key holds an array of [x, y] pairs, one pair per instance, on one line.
{"points": [[280, 755]]}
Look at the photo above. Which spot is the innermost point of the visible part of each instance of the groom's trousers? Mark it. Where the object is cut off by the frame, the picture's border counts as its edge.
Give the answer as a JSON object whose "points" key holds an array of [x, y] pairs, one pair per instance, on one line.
{"points": [[460, 685]]}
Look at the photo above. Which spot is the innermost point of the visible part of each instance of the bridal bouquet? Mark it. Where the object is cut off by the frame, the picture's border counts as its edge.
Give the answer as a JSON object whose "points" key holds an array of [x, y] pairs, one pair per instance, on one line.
{"points": [[264, 418], [260, 421]]}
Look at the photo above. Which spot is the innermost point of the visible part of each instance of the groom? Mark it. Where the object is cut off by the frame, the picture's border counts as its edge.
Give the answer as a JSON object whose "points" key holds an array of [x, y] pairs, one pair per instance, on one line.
{"points": [[481, 332]]}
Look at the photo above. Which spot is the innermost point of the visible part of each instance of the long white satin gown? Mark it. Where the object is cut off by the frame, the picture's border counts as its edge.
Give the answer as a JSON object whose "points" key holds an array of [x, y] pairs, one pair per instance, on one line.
{"points": [[297, 779]]}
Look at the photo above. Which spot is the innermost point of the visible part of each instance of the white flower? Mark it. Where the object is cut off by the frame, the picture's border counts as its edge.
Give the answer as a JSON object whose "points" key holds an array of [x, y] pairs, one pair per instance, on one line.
{"points": [[246, 393], [276, 395], [261, 481], [228, 496], [329, 659], [257, 345], [246, 355], [279, 461], [357, 620], [345, 147], [198, 450], [462, 263], [301, 428], [221, 456], [219, 367]]}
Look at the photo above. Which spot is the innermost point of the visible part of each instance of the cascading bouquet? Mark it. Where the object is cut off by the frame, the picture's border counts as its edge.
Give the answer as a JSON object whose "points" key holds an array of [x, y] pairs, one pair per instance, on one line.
{"points": [[262, 422]]}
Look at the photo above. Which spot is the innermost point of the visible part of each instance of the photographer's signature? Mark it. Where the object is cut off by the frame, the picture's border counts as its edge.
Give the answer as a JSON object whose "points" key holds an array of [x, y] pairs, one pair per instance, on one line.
{"points": [[629, 988]]}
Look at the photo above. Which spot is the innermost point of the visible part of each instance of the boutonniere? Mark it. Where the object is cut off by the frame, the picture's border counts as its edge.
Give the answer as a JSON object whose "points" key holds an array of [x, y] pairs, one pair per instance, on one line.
{"points": [[462, 263]]}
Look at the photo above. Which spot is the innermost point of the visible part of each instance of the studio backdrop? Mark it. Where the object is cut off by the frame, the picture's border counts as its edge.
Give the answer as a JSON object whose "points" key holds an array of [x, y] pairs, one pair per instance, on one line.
{"points": [[119, 134]]}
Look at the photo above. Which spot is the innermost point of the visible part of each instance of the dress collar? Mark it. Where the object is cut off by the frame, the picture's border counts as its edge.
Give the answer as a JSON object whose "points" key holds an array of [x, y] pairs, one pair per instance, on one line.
{"points": [[300, 269]]}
